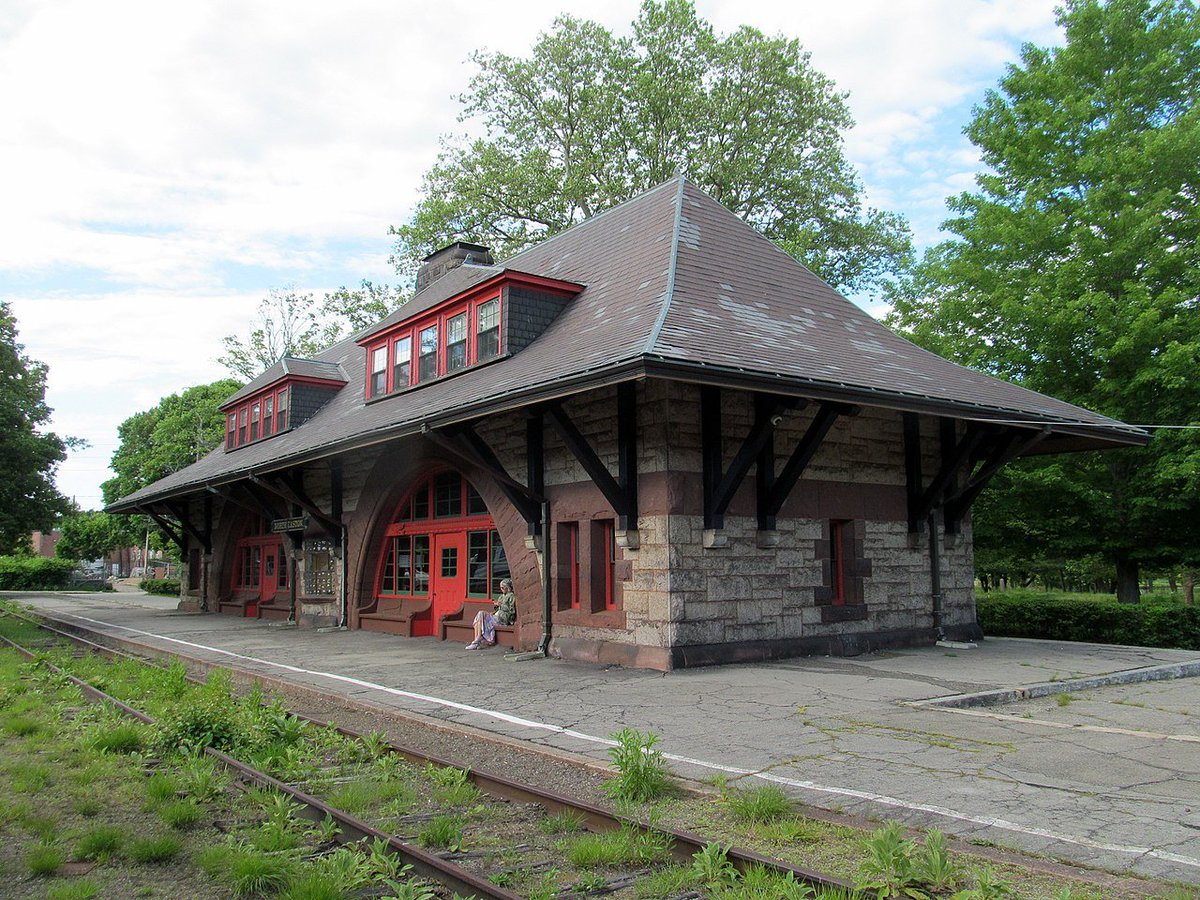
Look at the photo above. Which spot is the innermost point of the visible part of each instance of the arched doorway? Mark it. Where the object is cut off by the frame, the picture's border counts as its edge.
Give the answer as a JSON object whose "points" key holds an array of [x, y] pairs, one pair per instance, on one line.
{"points": [[260, 570], [440, 551]]}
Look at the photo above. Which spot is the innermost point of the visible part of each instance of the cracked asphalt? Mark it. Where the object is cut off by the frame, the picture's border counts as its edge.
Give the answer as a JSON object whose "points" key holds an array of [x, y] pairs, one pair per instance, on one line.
{"points": [[1102, 776]]}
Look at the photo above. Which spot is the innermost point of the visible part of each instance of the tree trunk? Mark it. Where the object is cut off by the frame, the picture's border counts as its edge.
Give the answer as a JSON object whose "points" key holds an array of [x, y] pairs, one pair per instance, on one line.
{"points": [[1189, 586], [1172, 582], [1127, 581]]}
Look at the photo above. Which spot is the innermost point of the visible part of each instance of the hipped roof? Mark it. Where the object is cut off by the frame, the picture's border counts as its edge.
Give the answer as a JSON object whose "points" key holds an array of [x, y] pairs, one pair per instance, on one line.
{"points": [[676, 286]]}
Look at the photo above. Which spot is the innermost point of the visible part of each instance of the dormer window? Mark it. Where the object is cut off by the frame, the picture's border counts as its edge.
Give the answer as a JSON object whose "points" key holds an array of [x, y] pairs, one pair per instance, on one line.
{"points": [[460, 331], [262, 409]]}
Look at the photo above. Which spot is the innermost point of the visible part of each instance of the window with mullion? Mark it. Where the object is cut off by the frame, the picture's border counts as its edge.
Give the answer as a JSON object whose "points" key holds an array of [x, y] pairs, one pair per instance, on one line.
{"points": [[379, 371], [401, 363], [243, 418], [268, 415], [456, 343], [281, 408], [487, 330], [427, 359]]}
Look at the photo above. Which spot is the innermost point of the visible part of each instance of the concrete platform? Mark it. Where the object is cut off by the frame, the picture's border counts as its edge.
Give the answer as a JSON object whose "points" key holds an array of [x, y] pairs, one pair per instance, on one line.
{"points": [[1105, 776]]}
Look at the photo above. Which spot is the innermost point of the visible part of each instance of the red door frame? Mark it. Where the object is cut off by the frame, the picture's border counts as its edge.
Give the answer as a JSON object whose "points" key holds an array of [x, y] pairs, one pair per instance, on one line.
{"points": [[270, 547]]}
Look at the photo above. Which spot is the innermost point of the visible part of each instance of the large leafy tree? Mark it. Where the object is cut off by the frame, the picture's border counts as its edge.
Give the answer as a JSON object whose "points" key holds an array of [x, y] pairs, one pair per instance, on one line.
{"points": [[29, 455], [588, 120], [92, 535], [1074, 270], [177, 432]]}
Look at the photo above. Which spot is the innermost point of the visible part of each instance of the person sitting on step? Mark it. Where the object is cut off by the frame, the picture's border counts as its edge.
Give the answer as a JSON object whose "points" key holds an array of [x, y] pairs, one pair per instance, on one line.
{"points": [[504, 612]]}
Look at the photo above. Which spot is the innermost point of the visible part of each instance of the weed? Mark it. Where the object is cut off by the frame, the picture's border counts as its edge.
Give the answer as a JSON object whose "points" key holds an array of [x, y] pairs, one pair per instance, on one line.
{"points": [[642, 772], [274, 836], [202, 779], [767, 803], [29, 778], [712, 868], [100, 842], [443, 833], [888, 868], [988, 886], [154, 849], [410, 890], [207, 719], [792, 831], [1064, 699], [314, 885], [933, 865], [44, 859], [560, 823], [358, 796], [375, 745], [180, 813], [74, 890], [326, 831], [451, 786], [546, 887], [245, 871]]}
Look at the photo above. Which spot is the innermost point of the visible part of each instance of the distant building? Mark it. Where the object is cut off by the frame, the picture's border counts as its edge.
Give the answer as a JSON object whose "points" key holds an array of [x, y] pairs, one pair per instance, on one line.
{"points": [[682, 447], [43, 543]]}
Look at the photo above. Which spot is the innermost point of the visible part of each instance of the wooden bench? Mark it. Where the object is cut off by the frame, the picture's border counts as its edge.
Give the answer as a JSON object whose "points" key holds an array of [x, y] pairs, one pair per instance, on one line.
{"points": [[393, 615], [459, 625]]}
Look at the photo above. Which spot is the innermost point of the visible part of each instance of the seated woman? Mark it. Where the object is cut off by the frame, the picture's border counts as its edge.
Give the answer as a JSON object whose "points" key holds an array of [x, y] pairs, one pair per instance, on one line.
{"points": [[504, 612]]}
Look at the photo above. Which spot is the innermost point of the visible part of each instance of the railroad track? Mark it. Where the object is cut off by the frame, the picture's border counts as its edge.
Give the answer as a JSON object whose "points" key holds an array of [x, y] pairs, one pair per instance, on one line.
{"points": [[683, 846]]}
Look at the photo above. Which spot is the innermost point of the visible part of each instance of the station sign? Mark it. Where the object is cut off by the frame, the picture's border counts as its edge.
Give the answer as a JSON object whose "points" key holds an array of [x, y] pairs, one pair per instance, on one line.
{"points": [[295, 523]]}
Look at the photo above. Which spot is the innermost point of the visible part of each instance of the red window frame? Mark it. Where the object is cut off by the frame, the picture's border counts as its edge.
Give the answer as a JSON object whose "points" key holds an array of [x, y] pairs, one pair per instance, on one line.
{"points": [[281, 409], [390, 342], [231, 433]]}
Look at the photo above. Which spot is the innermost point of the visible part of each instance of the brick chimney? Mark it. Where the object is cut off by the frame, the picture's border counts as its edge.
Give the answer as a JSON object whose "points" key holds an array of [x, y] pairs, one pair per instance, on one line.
{"points": [[439, 262]]}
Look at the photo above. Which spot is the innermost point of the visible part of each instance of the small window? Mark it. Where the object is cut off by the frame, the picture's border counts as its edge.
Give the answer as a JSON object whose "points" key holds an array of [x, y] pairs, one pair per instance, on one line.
{"points": [[500, 570], [603, 565], [456, 343], [427, 367], [283, 571], [255, 415], [447, 495], [420, 502], [243, 418], [449, 567], [281, 410], [401, 363], [487, 330], [318, 567], [378, 371], [568, 565], [420, 564], [268, 415], [475, 504], [231, 435], [477, 563], [837, 560]]}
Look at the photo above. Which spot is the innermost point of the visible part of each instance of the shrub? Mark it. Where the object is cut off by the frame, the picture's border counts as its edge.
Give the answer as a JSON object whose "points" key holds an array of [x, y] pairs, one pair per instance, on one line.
{"points": [[168, 587], [1100, 620], [34, 573]]}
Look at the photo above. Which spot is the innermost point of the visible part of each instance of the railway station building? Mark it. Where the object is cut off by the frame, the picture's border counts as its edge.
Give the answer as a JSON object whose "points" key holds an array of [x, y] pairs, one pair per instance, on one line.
{"points": [[681, 446]]}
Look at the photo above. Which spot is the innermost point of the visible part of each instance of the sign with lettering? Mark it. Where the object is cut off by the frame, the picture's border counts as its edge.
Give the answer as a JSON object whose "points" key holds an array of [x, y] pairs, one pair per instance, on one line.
{"points": [[295, 523]]}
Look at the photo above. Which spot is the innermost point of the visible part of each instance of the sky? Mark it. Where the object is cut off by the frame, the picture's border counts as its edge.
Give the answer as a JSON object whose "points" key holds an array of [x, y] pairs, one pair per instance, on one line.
{"points": [[163, 166]]}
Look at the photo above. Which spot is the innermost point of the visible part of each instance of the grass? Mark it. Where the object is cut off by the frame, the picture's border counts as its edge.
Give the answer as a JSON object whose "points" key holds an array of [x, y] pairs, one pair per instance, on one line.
{"points": [[442, 833], [123, 738], [246, 872], [627, 845], [45, 859], [154, 849], [83, 889], [100, 842], [180, 814], [759, 805]]}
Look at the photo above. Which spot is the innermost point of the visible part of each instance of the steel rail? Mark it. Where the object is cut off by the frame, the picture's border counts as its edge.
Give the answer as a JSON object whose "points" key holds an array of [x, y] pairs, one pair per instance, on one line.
{"points": [[684, 844], [425, 864]]}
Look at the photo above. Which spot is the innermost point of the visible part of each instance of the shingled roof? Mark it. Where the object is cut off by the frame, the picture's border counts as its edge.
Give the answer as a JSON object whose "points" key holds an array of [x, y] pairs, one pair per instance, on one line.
{"points": [[676, 286], [322, 370]]}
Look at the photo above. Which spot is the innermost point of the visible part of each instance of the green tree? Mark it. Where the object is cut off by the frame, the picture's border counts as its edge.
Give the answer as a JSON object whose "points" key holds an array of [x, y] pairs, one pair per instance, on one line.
{"points": [[92, 535], [288, 323], [1075, 270], [588, 120], [29, 455], [177, 432]]}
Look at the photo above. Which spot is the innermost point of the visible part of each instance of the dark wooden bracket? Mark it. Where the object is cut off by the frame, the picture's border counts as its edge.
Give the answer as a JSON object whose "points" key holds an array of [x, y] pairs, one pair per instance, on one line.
{"points": [[177, 537], [1006, 449], [254, 504], [912, 471], [180, 512], [952, 460], [535, 464], [620, 492], [785, 482], [290, 487], [466, 444]]}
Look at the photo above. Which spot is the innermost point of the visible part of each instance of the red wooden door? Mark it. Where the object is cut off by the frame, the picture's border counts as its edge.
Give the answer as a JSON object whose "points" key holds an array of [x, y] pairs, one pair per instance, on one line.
{"points": [[269, 559], [449, 571]]}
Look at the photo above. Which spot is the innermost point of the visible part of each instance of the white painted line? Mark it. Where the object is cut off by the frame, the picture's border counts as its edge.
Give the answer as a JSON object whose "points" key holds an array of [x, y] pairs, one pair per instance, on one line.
{"points": [[1067, 726], [882, 799]]}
